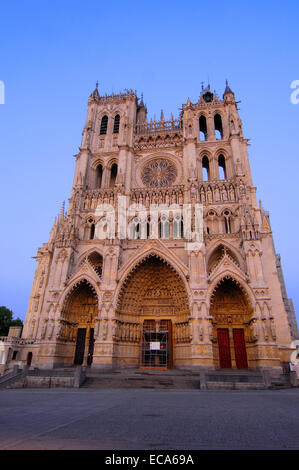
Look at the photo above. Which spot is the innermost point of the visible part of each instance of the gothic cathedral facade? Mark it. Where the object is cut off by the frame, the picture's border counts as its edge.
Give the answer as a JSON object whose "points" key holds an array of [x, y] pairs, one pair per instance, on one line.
{"points": [[107, 298]]}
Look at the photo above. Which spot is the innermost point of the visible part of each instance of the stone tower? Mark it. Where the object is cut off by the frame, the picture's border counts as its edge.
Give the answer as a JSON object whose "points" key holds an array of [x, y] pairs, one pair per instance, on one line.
{"points": [[105, 296]]}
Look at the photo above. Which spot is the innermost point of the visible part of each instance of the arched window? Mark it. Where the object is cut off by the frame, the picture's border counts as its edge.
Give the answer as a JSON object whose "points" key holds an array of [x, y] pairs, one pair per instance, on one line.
{"points": [[135, 228], [92, 230], [104, 125], [203, 130], [113, 175], [221, 167], [164, 226], [205, 169], [218, 127], [116, 124], [177, 227], [159, 229], [99, 176]]}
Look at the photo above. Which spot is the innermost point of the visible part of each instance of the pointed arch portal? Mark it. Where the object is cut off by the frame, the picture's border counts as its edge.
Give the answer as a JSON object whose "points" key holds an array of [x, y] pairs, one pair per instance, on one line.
{"points": [[153, 317], [231, 313], [78, 317]]}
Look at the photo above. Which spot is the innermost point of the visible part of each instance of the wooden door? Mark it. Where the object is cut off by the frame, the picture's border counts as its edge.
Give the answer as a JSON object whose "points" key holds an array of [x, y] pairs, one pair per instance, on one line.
{"points": [[240, 348], [90, 347], [80, 346], [224, 348], [166, 326]]}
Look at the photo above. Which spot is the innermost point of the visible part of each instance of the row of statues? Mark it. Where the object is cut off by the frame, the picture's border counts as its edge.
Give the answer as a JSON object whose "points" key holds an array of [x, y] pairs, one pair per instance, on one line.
{"points": [[184, 332], [204, 193]]}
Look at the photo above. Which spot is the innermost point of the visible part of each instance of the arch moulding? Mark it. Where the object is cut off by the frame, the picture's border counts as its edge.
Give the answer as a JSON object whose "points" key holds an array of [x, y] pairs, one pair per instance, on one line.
{"points": [[249, 295], [230, 247], [152, 251], [75, 283]]}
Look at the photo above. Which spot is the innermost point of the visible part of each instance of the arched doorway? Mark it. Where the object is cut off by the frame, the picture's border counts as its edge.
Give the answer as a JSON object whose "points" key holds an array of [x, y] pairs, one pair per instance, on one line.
{"points": [[152, 317], [231, 315], [78, 316]]}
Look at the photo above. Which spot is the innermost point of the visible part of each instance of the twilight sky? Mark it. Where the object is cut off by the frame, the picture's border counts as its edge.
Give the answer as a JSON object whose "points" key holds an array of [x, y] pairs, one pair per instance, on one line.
{"points": [[53, 52]]}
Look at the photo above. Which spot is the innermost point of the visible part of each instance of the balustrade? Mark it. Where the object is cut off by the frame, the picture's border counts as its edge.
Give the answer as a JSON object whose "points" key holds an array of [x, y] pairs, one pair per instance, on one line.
{"points": [[158, 126]]}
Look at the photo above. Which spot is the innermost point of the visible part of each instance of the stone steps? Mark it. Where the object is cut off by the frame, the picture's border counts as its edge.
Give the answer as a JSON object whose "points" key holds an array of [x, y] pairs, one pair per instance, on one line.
{"points": [[219, 379], [133, 382]]}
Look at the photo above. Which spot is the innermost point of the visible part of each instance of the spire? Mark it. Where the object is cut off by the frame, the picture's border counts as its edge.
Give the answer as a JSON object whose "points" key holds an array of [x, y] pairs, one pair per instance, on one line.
{"points": [[95, 93], [162, 115], [227, 89], [61, 214]]}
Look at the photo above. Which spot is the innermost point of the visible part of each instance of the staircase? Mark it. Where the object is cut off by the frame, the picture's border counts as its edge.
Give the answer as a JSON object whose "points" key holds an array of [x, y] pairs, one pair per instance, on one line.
{"points": [[38, 378], [280, 381], [142, 379], [219, 379], [12, 377], [230, 379]]}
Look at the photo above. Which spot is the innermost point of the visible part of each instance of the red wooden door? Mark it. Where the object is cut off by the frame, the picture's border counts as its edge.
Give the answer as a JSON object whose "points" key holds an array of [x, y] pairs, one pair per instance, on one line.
{"points": [[224, 348], [240, 348]]}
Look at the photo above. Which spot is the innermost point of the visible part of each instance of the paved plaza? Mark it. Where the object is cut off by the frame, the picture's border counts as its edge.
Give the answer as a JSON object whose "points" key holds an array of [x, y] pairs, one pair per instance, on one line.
{"points": [[89, 419]]}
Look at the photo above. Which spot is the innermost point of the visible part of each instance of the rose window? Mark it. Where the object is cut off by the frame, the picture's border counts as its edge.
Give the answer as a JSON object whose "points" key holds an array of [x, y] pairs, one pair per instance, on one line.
{"points": [[159, 174]]}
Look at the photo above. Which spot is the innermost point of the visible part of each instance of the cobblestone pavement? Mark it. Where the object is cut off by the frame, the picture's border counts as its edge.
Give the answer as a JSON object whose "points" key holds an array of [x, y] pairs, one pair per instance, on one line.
{"points": [[88, 419]]}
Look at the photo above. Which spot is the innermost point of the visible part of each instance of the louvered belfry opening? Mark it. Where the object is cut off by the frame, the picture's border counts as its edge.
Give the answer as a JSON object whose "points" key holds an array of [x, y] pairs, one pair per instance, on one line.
{"points": [[104, 125], [116, 124]]}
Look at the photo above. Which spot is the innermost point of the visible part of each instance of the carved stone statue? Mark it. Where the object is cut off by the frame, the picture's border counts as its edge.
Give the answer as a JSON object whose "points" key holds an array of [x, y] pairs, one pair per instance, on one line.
{"points": [[272, 327], [44, 329]]}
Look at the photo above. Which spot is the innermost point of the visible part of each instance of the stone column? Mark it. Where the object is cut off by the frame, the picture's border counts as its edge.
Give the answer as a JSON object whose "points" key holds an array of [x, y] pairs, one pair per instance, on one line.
{"points": [[211, 128], [104, 340]]}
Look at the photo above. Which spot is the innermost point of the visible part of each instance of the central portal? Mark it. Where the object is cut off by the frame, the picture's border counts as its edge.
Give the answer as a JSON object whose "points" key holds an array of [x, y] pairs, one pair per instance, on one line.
{"points": [[156, 345], [152, 324]]}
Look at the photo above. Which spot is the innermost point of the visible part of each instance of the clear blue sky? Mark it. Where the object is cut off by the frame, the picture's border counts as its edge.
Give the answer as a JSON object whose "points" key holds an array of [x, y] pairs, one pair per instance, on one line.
{"points": [[53, 52]]}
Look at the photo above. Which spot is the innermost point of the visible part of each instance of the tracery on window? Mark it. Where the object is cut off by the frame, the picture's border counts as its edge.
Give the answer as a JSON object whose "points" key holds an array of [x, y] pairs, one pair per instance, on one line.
{"points": [[159, 173]]}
